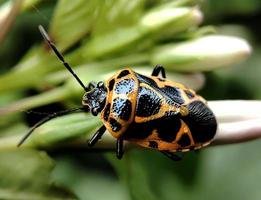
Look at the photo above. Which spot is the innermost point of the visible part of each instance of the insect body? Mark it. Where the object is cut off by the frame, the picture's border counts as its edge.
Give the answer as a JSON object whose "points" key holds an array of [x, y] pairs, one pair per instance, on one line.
{"points": [[154, 112], [150, 111]]}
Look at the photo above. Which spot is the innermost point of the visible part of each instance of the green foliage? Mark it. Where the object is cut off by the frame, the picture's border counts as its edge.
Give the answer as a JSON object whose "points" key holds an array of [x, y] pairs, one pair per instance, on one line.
{"points": [[97, 39], [216, 173], [26, 175], [87, 180]]}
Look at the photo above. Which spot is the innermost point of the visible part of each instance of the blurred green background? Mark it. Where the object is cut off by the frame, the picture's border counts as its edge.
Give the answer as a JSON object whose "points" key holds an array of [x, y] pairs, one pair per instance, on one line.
{"points": [[101, 37]]}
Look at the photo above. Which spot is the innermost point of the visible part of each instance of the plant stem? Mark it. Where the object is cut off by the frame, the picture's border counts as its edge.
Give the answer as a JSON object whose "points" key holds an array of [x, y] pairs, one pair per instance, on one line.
{"points": [[72, 131]]}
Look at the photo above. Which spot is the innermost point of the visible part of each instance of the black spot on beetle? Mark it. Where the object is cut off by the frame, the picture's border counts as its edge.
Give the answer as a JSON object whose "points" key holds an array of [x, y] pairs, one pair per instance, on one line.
{"points": [[123, 73], [149, 103], [147, 80], [184, 140], [171, 94], [115, 126], [168, 127], [107, 112], [111, 84], [138, 130], [201, 122], [122, 108], [125, 86], [153, 144]]}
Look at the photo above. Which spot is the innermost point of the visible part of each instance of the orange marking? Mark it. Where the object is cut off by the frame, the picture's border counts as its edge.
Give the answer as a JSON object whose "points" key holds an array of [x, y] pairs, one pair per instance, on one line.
{"points": [[169, 146], [132, 96]]}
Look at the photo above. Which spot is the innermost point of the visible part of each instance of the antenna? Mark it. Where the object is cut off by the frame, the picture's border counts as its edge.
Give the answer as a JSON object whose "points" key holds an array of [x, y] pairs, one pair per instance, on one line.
{"points": [[49, 117], [59, 55]]}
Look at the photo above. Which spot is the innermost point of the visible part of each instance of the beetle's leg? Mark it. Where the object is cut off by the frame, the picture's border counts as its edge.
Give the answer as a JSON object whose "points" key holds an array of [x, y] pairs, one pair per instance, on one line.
{"points": [[119, 148], [172, 156], [97, 136], [91, 85], [157, 69]]}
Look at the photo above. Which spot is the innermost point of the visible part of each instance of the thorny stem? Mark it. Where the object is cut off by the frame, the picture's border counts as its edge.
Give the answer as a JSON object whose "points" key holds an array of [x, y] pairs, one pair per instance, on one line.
{"points": [[238, 121]]}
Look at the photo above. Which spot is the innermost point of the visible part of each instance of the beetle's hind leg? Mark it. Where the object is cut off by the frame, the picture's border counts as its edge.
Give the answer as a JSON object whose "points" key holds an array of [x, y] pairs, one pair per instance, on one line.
{"points": [[119, 148], [94, 139], [157, 69], [172, 156]]}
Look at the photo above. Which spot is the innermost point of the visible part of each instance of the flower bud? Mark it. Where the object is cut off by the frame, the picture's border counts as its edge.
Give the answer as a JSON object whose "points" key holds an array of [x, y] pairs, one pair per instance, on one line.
{"points": [[202, 54]]}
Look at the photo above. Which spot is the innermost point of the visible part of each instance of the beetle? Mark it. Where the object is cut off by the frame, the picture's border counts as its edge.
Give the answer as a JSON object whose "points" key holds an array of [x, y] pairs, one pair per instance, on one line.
{"points": [[150, 111]]}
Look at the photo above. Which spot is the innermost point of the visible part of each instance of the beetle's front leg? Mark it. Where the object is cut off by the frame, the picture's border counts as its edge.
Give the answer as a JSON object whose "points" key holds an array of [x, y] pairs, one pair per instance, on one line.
{"points": [[157, 69], [97, 136]]}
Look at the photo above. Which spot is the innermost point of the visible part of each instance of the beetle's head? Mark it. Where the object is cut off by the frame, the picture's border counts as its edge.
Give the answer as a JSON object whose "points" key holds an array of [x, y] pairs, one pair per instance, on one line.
{"points": [[95, 99]]}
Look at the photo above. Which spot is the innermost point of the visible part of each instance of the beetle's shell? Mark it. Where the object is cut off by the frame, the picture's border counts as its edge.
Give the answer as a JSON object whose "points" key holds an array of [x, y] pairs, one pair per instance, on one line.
{"points": [[119, 110], [157, 113]]}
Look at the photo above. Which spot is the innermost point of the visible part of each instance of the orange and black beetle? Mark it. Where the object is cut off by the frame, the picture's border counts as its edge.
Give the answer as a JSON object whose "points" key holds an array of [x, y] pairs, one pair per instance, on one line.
{"points": [[150, 111]]}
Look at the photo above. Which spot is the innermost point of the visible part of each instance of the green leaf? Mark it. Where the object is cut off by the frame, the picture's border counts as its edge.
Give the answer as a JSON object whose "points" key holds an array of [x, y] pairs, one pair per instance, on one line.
{"points": [[72, 20], [151, 175], [115, 14], [25, 175], [78, 173], [6, 99], [133, 37]]}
